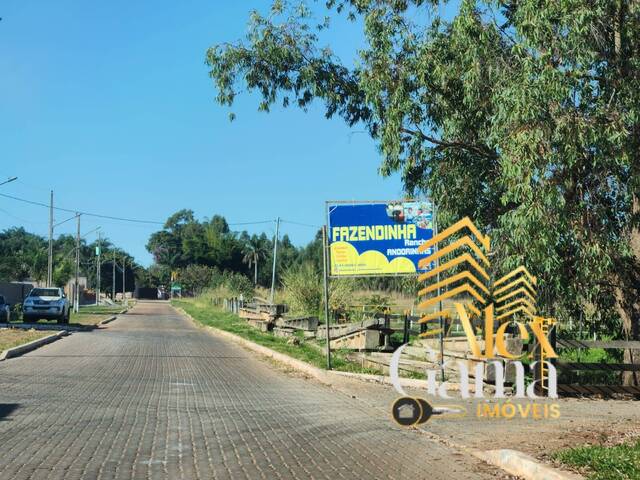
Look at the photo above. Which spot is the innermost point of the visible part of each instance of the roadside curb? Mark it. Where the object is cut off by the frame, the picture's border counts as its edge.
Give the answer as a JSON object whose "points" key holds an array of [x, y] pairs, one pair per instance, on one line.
{"points": [[107, 320], [28, 347], [113, 317], [511, 461], [523, 465]]}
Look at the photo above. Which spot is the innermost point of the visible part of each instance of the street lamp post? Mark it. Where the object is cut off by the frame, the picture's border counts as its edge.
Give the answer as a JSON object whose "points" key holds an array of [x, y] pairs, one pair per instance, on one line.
{"points": [[98, 252], [76, 292], [50, 251], [124, 278]]}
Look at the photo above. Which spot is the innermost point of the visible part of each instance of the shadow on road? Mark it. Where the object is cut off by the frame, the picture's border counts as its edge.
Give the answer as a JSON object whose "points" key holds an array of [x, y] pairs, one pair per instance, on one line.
{"points": [[50, 325], [7, 409]]}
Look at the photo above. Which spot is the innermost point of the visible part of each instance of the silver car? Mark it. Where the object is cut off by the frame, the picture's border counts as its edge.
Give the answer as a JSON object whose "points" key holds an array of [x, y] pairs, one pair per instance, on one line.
{"points": [[49, 303]]}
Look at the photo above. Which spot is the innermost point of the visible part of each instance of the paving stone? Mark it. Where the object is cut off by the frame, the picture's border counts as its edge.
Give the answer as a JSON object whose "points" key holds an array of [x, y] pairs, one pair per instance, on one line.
{"points": [[151, 396]]}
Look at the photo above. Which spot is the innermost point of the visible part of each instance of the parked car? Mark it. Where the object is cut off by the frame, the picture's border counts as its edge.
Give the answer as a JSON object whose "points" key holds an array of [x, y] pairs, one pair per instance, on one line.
{"points": [[5, 310], [48, 303]]}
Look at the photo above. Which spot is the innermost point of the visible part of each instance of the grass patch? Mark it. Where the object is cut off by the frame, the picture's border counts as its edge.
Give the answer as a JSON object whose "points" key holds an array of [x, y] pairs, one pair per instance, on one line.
{"points": [[587, 355], [620, 462], [101, 309], [208, 315], [12, 337], [88, 318], [591, 355]]}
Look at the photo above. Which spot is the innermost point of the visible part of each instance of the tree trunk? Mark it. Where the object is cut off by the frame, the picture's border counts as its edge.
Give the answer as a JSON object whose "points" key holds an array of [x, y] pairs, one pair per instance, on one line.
{"points": [[255, 271], [628, 298]]}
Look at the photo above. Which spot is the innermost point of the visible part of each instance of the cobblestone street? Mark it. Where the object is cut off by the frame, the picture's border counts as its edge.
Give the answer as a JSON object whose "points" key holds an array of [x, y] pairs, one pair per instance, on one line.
{"points": [[152, 396]]}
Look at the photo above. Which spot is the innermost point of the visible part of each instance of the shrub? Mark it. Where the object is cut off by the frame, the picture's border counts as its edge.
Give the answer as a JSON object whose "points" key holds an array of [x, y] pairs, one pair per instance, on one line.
{"points": [[377, 303], [303, 290], [341, 293], [202, 280], [239, 284], [16, 312], [195, 278]]}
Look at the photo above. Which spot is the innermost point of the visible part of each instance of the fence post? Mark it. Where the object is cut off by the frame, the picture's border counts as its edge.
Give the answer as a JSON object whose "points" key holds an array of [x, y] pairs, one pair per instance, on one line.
{"points": [[387, 335], [405, 336]]}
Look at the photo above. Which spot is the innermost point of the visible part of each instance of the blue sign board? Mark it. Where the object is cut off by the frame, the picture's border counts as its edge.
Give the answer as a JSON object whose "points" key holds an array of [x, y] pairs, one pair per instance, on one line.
{"points": [[378, 238]]}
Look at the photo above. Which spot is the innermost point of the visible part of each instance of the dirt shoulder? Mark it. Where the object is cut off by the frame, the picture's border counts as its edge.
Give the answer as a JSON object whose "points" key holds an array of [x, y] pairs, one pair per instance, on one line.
{"points": [[581, 421]]}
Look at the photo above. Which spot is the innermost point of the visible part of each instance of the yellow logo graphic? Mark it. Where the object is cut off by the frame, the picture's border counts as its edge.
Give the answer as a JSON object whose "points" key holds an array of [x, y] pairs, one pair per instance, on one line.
{"points": [[507, 299], [462, 285], [346, 259]]}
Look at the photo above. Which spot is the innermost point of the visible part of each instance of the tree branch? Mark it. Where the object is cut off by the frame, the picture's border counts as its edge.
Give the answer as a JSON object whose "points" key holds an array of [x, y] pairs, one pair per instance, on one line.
{"points": [[470, 147]]}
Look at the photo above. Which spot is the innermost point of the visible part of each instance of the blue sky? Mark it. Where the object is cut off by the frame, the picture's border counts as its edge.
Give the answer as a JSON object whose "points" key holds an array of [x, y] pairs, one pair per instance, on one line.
{"points": [[109, 104]]}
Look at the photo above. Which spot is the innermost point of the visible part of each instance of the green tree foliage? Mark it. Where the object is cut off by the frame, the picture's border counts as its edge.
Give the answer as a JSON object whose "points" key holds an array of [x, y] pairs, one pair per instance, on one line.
{"points": [[24, 256], [523, 115], [253, 253], [312, 252], [184, 241], [154, 276], [195, 278]]}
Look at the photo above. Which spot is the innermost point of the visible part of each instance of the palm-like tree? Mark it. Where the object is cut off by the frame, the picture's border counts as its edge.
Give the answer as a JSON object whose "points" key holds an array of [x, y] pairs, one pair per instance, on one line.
{"points": [[253, 252]]}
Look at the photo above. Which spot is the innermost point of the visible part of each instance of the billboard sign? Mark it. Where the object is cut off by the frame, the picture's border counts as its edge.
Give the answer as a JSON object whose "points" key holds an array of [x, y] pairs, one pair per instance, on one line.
{"points": [[378, 238]]}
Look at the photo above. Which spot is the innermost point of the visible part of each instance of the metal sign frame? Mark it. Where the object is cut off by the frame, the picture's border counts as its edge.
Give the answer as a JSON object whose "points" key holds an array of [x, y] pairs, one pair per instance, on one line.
{"points": [[329, 203], [326, 261]]}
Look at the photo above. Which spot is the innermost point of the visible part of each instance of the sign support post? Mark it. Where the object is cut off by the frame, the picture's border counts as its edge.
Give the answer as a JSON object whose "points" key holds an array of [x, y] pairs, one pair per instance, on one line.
{"points": [[325, 246], [374, 239], [442, 319]]}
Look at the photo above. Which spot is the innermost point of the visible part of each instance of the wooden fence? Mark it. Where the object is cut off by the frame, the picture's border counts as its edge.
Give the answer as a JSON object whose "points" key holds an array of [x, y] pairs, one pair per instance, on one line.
{"points": [[579, 390]]}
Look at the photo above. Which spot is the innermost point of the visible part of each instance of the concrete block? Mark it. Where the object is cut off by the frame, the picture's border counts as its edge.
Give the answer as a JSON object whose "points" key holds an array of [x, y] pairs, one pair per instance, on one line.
{"points": [[361, 340]]}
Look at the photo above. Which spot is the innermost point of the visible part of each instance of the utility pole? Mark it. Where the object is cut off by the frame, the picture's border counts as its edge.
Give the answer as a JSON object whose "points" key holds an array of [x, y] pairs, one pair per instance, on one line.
{"points": [[275, 258], [113, 286], [124, 264], [98, 252], [50, 259], [76, 293]]}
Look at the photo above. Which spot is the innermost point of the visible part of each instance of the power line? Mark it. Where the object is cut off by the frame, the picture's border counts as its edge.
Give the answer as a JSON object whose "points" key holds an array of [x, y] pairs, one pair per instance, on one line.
{"points": [[252, 223], [301, 224], [88, 214], [137, 220]]}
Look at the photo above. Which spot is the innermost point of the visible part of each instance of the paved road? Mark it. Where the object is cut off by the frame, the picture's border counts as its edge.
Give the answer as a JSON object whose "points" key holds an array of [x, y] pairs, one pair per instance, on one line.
{"points": [[151, 396]]}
